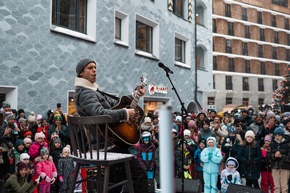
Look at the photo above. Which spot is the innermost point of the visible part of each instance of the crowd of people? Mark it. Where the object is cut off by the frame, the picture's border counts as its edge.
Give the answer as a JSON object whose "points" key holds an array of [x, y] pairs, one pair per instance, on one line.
{"points": [[244, 147]]}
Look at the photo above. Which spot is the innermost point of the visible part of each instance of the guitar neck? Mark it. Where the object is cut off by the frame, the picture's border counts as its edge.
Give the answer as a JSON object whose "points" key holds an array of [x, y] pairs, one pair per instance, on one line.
{"points": [[135, 100]]}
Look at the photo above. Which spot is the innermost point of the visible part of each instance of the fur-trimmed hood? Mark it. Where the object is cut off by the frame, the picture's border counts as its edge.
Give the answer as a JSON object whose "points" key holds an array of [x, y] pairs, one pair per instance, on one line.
{"points": [[39, 159], [86, 84]]}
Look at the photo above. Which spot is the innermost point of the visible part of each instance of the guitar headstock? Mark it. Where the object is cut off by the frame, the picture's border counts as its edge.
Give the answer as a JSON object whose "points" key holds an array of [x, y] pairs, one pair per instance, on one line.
{"points": [[143, 81]]}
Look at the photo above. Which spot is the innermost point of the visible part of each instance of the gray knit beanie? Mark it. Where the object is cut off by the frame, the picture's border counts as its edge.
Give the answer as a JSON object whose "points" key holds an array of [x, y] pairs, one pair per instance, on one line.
{"points": [[82, 64]]}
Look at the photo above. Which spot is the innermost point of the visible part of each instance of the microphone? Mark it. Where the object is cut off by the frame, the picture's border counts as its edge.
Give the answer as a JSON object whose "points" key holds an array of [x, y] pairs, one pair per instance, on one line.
{"points": [[165, 68]]}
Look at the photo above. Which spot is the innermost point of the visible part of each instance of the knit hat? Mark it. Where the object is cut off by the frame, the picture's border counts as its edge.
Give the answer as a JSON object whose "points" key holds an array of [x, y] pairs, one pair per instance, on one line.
{"points": [[279, 131], [24, 156], [39, 135], [56, 140], [31, 117], [26, 133], [6, 104], [9, 116], [250, 133], [20, 111], [21, 119], [27, 140], [147, 120], [202, 141], [270, 114], [38, 117], [82, 64], [19, 142], [57, 117], [54, 135], [191, 123], [186, 132], [268, 138], [178, 118], [232, 130], [232, 161], [174, 131], [21, 165], [66, 149], [44, 151]]}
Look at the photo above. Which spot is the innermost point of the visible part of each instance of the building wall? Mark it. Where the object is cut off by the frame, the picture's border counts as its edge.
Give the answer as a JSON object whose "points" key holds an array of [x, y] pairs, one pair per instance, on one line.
{"points": [[41, 63]]}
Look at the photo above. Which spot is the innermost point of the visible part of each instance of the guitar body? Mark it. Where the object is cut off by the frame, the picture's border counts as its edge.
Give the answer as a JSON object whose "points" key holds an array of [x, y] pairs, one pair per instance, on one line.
{"points": [[128, 132]]}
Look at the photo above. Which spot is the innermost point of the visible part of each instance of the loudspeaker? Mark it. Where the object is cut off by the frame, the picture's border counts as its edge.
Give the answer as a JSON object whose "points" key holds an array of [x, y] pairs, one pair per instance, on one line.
{"points": [[234, 188], [189, 186]]}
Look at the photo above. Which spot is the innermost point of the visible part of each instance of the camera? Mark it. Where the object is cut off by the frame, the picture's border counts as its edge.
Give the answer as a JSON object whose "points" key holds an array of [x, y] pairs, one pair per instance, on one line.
{"points": [[58, 105]]}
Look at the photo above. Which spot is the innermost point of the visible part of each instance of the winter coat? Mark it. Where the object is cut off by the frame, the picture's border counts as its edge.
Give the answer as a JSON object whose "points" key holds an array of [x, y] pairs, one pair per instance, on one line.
{"points": [[231, 146], [229, 176], [284, 148], [46, 168], [18, 184], [55, 153], [34, 150], [63, 133], [65, 170], [250, 157], [211, 157], [204, 134], [90, 101], [266, 162], [197, 159], [145, 156]]}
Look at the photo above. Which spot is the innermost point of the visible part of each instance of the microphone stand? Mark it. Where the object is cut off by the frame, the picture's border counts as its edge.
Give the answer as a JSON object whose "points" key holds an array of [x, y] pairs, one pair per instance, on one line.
{"points": [[183, 110]]}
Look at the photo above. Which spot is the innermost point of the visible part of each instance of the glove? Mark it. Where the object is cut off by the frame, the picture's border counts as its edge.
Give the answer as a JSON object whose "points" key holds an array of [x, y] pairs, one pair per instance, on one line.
{"points": [[52, 180], [61, 179], [47, 179], [29, 178], [230, 177], [209, 155]]}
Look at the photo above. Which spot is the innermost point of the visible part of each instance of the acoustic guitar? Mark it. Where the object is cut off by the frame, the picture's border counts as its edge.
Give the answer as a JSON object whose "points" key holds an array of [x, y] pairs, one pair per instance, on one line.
{"points": [[129, 131]]}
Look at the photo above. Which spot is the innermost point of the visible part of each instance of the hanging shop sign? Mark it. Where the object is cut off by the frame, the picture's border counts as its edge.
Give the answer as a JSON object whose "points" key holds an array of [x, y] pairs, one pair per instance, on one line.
{"points": [[157, 89]]}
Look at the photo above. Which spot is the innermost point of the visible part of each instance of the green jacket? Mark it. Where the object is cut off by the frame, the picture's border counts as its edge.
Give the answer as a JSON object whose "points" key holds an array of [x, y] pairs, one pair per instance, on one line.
{"points": [[18, 185]]}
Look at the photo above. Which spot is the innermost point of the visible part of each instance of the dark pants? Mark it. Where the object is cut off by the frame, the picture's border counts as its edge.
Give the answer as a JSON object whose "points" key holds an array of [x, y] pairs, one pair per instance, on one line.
{"points": [[252, 183]]}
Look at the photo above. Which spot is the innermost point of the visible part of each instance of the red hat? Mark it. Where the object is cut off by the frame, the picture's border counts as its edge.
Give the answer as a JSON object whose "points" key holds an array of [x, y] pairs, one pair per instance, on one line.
{"points": [[27, 132]]}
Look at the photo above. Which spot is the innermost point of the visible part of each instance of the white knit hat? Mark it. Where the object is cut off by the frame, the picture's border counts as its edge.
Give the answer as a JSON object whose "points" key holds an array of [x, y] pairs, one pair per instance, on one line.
{"points": [[27, 140], [186, 132], [250, 133], [39, 135], [147, 120], [24, 156], [66, 149], [31, 117]]}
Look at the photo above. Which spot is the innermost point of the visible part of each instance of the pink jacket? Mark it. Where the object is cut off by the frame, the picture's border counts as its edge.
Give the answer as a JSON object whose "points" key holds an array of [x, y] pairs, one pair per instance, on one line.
{"points": [[46, 168], [33, 150]]}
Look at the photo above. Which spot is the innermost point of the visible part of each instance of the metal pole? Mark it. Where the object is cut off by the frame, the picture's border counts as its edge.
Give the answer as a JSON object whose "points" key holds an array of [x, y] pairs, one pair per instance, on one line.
{"points": [[166, 151]]}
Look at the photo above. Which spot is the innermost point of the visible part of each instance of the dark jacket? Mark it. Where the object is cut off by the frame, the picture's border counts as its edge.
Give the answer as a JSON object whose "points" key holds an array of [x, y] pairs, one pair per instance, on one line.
{"points": [[284, 148], [250, 157], [146, 155]]}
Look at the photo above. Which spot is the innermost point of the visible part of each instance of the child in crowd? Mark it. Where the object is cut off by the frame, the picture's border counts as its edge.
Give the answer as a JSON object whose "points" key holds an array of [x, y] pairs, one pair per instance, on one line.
{"points": [[230, 175], [21, 181], [56, 150], [46, 170], [65, 170], [198, 162], [24, 157], [250, 157], [266, 173], [279, 156], [211, 157], [19, 149], [206, 132], [27, 143], [39, 143]]}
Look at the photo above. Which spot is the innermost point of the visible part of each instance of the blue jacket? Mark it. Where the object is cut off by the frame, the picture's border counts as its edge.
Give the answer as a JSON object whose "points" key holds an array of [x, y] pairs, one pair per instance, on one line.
{"points": [[197, 159]]}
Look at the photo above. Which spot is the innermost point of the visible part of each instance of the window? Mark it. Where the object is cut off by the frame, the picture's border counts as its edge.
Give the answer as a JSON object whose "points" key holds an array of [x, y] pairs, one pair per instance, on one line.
{"points": [[214, 26], [260, 101], [247, 66], [182, 51], [77, 18], [287, 23], [147, 37], [262, 35], [247, 31], [277, 70], [200, 58], [283, 3], [230, 28], [288, 38], [274, 84], [229, 100], [260, 84], [288, 55], [245, 48], [260, 51], [213, 78], [229, 48], [276, 39], [178, 8], [260, 17], [231, 65], [263, 68], [246, 101], [274, 24], [245, 83], [229, 83], [121, 28], [244, 14], [228, 10], [214, 63], [274, 56], [200, 17], [210, 101]]}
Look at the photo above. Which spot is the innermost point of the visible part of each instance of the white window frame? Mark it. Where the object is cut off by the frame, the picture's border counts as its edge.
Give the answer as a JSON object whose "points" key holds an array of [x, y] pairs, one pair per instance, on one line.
{"points": [[124, 28], [91, 23], [155, 38], [187, 41]]}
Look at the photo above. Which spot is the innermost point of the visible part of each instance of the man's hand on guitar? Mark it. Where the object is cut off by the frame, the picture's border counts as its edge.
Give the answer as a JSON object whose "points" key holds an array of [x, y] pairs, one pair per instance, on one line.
{"points": [[131, 113], [141, 90]]}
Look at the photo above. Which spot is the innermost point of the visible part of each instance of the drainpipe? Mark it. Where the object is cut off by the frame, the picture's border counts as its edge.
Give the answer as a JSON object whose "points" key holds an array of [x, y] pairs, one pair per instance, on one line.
{"points": [[195, 45]]}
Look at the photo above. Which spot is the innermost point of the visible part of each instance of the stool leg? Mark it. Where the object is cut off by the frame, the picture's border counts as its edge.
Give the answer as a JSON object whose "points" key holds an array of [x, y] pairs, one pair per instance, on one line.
{"points": [[106, 179], [129, 177], [76, 172]]}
